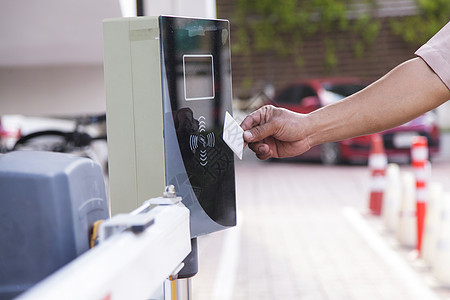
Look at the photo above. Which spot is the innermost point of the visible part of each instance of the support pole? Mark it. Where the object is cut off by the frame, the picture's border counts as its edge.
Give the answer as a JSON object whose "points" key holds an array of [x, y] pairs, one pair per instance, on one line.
{"points": [[179, 287]]}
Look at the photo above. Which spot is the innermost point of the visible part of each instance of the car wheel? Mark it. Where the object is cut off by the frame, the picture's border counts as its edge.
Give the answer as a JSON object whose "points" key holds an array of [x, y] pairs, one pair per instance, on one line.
{"points": [[330, 154]]}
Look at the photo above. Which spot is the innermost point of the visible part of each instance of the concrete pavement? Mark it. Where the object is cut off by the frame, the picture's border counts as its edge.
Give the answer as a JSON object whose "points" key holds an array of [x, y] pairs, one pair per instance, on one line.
{"points": [[303, 234]]}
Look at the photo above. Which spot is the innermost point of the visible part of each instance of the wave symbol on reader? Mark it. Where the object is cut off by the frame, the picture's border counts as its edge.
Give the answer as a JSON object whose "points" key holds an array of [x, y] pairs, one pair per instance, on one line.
{"points": [[203, 141], [208, 141]]}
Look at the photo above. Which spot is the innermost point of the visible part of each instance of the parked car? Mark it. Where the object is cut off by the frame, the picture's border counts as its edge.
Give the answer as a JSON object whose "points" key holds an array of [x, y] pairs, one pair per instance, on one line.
{"points": [[305, 96]]}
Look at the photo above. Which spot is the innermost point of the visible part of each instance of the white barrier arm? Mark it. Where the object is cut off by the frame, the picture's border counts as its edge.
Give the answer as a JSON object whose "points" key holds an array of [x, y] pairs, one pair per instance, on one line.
{"points": [[125, 266]]}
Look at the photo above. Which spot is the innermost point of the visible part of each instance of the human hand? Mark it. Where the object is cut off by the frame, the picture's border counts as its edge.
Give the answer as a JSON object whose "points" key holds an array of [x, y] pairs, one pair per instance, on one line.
{"points": [[276, 132]]}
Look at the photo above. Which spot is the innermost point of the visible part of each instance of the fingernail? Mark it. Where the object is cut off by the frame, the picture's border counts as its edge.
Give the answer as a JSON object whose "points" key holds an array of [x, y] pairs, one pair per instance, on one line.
{"points": [[248, 135]]}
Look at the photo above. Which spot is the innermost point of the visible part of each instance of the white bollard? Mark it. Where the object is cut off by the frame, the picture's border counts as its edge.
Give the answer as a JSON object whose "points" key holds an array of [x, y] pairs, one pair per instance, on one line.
{"points": [[407, 222], [432, 222], [441, 266], [392, 197]]}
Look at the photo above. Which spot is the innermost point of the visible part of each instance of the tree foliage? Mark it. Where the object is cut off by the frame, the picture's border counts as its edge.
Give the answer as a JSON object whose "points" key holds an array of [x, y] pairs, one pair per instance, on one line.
{"points": [[282, 26], [417, 29]]}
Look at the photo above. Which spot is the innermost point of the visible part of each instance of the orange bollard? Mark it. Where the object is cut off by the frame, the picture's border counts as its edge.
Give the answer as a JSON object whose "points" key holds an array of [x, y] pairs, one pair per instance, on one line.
{"points": [[377, 166], [421, 166]]}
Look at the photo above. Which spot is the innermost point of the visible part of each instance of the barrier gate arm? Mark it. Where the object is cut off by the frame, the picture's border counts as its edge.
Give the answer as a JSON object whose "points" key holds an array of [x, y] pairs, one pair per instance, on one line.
{"points": [[128, 265]]}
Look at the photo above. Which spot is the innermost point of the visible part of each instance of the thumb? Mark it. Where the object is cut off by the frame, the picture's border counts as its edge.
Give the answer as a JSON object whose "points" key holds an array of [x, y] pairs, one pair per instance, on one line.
{"points": [[258, 133]]}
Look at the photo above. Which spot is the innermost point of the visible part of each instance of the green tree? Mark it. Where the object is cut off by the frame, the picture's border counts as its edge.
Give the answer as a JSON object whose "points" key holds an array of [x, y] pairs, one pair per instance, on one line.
{"points": [[417, 29], [282, 26]]}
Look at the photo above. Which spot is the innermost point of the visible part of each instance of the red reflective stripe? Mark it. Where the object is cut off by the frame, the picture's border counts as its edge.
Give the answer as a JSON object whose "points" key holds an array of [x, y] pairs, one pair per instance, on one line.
{"points": [[421, 184], [419, 164]]}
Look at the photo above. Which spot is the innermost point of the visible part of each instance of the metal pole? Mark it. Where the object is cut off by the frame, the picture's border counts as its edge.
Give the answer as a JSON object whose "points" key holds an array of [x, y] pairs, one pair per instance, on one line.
{"points": [[139, 8], [178, 289], [180, 286]]}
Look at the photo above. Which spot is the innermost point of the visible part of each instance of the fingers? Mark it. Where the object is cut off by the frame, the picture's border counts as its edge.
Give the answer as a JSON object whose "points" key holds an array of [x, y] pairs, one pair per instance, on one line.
{"points": [[256, 129], [258, 117], [256, 126], [258, 133], [248, 136], [275, 132], [251, 120], [261, 150]]}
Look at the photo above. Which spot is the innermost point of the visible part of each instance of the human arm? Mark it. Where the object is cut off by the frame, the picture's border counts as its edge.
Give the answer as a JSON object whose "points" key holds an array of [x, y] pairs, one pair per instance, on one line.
{"points": [[405, 93]]}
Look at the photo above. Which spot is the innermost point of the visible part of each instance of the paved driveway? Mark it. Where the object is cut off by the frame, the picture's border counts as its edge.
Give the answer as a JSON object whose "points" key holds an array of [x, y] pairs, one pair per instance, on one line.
{"points": [[303, 233]]}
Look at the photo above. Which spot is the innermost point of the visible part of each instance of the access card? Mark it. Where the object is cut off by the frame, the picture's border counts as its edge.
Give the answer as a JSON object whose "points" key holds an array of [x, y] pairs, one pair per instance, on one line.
{"points": [[233, 135]]}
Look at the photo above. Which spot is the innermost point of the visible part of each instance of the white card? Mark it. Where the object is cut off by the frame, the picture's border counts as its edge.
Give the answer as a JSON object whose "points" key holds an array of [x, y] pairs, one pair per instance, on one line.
{"points": [[233, 135]]}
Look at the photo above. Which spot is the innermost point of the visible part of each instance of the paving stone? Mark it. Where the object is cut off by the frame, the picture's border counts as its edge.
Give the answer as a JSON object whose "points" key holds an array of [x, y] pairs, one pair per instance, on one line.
{"points": [[295, 240]]}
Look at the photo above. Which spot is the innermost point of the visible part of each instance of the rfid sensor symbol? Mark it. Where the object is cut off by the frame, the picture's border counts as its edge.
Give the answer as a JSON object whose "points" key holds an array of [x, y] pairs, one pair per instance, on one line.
{"points": [[206, 141], [202, 141]]}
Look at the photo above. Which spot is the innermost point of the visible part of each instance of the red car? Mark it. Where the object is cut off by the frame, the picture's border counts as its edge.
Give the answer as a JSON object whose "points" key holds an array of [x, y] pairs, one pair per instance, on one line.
{"points": [[305, 96]]}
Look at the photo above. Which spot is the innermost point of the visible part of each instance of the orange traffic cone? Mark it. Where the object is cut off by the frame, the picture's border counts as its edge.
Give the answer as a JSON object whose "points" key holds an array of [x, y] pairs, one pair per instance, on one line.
{"points": [[421, 166], [377, 166]]}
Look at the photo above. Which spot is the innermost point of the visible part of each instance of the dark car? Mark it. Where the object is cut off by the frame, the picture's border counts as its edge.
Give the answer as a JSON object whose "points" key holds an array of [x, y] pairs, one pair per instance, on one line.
{"points": [[305, 96]]}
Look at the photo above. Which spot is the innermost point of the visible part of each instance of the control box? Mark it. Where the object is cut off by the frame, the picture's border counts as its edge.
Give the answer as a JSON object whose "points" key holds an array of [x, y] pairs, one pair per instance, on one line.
{"points": [[49, 203], [168, 88]]}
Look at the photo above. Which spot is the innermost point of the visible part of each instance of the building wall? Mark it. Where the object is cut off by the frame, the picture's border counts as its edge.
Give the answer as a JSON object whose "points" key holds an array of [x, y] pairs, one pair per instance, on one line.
{"points": [[192, 8], [60, 71], [387, 52], [52, 90]]}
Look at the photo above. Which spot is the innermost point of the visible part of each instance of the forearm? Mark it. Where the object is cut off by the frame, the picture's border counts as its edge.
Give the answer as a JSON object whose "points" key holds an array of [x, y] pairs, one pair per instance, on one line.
{"points": [[403, 94]]}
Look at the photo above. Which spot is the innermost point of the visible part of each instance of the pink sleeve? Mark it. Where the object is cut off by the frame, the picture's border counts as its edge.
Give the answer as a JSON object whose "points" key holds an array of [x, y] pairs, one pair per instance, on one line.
{"points": [[436, 53]]}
